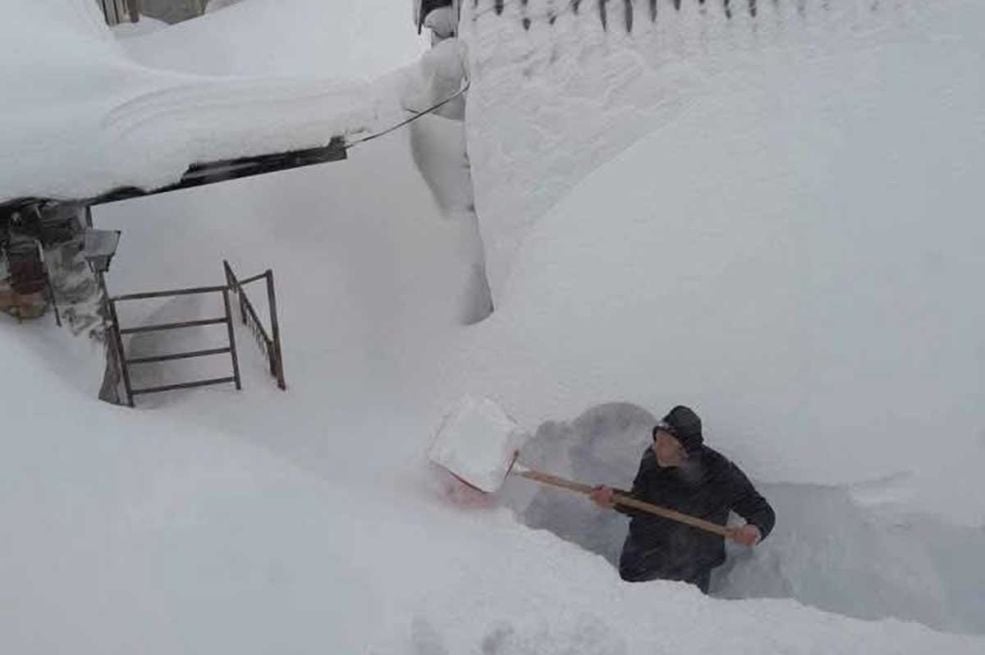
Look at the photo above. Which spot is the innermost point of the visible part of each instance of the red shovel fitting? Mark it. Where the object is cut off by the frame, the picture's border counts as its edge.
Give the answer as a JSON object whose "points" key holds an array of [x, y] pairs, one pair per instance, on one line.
{"points": [[478, 444]]}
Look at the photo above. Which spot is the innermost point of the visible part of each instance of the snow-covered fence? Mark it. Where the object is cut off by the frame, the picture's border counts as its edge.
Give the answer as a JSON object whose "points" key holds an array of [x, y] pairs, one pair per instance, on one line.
{"points": [[269, 343]]}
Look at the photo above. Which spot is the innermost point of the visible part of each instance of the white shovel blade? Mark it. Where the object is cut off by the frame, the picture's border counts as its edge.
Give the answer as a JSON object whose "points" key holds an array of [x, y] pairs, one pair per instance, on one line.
{"points": [[477, 442]]}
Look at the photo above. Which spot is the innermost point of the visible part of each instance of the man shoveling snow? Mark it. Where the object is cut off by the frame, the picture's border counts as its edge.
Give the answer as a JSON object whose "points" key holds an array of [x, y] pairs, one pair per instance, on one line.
{"points": [[696, 487], [679, 472]]}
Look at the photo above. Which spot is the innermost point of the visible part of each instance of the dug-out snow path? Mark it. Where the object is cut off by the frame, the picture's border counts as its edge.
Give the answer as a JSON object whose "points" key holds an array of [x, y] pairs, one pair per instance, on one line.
{"points": [[845, 549]]}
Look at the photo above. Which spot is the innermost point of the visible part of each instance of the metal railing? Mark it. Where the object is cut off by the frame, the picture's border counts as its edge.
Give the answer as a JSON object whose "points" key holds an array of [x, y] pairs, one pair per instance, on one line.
{"points": [[268, 342], [127, 362], [630, 10]]}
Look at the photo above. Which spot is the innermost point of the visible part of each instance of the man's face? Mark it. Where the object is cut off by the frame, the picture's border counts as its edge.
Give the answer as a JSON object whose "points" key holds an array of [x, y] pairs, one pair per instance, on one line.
{"points": [[668, 450]]}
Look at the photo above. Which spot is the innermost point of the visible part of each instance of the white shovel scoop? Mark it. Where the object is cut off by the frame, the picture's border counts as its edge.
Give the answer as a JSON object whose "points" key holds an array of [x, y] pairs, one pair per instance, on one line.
{"points": [[479, 443]]}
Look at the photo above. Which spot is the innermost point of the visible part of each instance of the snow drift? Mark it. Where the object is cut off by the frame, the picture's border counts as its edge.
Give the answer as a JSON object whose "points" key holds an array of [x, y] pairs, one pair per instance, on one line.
{"points": [[790, 249], [307, 521]]}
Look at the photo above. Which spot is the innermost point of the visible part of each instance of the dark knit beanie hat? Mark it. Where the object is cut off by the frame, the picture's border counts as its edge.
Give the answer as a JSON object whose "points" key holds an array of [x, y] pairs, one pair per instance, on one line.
{"points": [[685, 426]]}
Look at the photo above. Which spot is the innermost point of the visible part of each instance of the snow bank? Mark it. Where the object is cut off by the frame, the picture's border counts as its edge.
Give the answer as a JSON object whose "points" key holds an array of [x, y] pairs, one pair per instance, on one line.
{"points": [[308, 521], [793, 254], [81, 117], [550, 103], [162, 531]]}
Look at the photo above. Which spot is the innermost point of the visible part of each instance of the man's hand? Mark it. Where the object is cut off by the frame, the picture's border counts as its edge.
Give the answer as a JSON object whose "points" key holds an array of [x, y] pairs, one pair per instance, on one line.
{"points": [[747, 535], [602, 496]]}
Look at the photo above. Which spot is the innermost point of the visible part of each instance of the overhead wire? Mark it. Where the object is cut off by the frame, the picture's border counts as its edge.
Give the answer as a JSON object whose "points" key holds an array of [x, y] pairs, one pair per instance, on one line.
{"points": [[416, 116], [572, 6]]}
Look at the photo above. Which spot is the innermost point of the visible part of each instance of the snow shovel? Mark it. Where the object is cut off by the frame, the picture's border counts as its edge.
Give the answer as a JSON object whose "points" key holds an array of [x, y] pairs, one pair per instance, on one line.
{"points": [[479, 444]]}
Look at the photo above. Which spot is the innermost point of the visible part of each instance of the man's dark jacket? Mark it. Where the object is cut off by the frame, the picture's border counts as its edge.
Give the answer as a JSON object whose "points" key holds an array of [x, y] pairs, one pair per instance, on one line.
{"points": [[707, 486]]}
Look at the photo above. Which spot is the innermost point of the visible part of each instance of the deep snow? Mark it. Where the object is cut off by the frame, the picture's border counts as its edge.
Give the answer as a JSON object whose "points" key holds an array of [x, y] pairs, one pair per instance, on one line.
{"points": [[848, 549], [340, 39], [309, 521], [793, 249]]}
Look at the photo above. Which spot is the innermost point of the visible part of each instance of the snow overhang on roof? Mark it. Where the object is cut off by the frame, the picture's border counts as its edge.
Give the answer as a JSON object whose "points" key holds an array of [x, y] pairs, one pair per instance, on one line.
{"points": [[85, 122], [231, 169], [210, 173]]}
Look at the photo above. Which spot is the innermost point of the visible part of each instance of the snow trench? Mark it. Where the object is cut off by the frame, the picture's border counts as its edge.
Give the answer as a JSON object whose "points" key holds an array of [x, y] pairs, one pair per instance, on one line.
{"points": [[848, 550]]}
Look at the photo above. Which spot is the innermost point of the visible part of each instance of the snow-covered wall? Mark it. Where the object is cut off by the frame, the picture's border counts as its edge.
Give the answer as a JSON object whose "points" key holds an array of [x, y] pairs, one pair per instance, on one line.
{"points": [[555, 93]]}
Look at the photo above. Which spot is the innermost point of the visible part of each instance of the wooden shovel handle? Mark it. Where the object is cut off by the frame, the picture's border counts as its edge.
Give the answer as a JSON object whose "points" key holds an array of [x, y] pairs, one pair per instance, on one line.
{"points": [[627, 501]]}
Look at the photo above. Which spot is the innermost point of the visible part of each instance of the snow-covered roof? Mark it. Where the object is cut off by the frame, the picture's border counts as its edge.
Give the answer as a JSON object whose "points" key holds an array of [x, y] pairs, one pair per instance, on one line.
{"points": [[83, 114]]}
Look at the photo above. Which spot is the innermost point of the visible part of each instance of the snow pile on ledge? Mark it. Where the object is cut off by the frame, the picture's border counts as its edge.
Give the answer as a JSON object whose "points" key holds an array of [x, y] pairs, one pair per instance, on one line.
{"points": [[81, 117]]}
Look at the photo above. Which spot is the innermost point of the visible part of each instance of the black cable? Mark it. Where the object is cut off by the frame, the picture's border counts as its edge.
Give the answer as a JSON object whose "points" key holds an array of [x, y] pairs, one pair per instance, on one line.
{"points": [[413, 118], [572, 6]]}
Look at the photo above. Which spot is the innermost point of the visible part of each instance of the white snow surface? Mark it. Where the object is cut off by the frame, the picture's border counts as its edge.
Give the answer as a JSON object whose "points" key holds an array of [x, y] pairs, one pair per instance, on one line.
{"points": [[142, 27], [340, 39], [793, 248], [550, 104], [83, 113], [309, 521]]}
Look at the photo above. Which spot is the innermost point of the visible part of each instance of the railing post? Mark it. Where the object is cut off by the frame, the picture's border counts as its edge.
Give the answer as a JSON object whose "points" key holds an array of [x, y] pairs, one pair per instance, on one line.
{"points": [[231, 281], [269, 345], [276, 356], [241, 295], [232, 337], [118, 338]]}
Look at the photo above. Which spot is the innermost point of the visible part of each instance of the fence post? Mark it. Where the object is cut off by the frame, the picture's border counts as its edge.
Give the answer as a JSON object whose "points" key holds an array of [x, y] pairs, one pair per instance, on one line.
{"points": [[276, 356], [232, 337], [233, 283], [241, 295], [118, 338]]}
